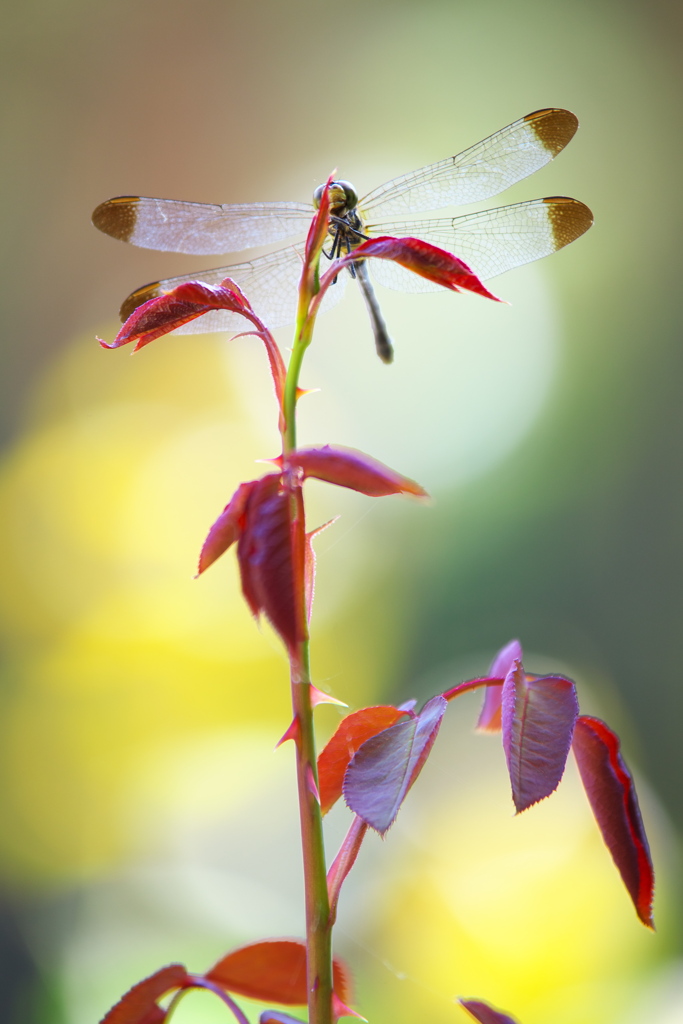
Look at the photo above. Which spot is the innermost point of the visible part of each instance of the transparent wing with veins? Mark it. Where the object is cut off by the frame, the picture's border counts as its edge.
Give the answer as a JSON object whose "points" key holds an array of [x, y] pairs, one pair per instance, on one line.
{"points": [[200, 229], [482, 171], [490, 242]]}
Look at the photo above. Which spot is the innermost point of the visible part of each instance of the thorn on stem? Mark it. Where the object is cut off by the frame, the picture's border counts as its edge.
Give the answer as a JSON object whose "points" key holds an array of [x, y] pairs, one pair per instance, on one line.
{"points": [[293, 733], [311, 783]]}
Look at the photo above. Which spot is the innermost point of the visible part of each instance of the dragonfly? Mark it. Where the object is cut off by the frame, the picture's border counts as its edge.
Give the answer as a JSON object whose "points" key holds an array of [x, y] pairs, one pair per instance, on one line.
{"points": [[490, 242]]}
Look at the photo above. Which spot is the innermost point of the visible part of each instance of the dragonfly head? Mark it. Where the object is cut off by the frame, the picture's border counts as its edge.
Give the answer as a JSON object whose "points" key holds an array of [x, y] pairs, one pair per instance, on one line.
{"points": [[343, 198]]}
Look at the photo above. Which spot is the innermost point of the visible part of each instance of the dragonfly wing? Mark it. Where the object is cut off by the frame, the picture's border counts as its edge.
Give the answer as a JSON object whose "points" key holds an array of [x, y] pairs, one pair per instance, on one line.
{"points": [[269, 282], [480, 172], [493, 241], [199, 229]]}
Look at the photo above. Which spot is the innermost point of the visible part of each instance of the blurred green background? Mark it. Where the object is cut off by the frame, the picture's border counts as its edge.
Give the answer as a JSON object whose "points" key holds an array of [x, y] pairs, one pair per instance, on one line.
{"points": [[145, 818]]}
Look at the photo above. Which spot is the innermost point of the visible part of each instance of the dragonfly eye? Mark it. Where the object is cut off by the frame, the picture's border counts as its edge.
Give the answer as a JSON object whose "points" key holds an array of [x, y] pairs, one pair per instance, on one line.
{"points": [[350, 193], [342, 194]]}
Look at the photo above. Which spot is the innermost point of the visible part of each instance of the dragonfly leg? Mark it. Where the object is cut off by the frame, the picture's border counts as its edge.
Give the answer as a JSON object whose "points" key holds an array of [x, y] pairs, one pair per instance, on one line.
{"points": [[334, 250], [385, 349]]}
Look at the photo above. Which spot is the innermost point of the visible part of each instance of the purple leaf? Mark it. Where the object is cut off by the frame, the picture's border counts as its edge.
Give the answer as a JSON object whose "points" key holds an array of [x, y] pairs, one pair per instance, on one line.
{"points": [[349, 735], [407, 705], [538, 718], [612, 796], [489, 717], [484, 1013], [385, 766], [276, 1017]]}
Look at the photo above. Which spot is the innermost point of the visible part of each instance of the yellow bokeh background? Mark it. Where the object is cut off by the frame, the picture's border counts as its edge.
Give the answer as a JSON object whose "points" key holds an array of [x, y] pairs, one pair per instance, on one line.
{"points": [[116, 647], [146, 816]]}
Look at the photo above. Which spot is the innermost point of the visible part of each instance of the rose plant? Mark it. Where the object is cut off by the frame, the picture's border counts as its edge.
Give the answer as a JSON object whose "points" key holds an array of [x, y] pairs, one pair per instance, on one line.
{"points": [[376, 753]]}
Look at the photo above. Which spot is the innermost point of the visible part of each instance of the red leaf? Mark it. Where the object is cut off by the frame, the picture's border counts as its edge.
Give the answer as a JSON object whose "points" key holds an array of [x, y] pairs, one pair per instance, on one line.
{"points": [[317, 232], [426, 260], [344, 861], [351, 733], [347, 467], [386, 766], [612, 796], [538, 721], [225, 531], [188, 301], [489, 717], [484, 1013], [273, 971], [139, 1005], [155, 1016], [249, 550], [164, 313], [264, 552]]}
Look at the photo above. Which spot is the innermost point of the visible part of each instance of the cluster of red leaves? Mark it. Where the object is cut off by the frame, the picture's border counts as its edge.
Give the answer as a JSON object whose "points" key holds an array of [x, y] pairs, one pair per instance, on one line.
{"points": [[270, 971], [373, 759], [376, 754]]}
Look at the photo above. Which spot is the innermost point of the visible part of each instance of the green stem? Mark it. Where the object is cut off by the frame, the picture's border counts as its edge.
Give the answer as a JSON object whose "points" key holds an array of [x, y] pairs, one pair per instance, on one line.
{"points": [[291, 386], [302, 339], [318, 920]]}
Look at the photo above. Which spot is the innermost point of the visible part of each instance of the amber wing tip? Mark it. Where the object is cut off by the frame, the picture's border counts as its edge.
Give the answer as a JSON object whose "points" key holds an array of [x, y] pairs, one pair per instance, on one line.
{"points": [[116, 217], [554, 127], [569, 218]]}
